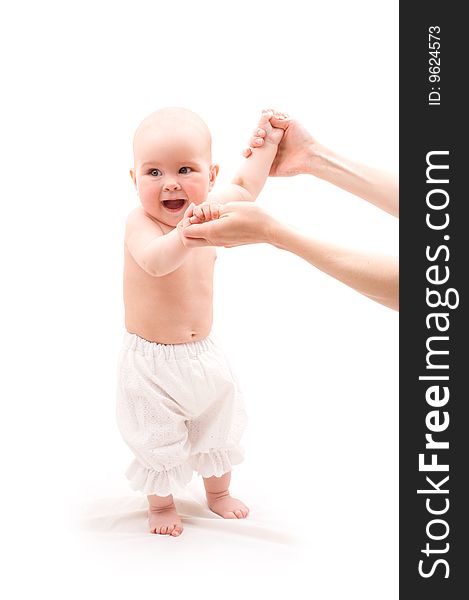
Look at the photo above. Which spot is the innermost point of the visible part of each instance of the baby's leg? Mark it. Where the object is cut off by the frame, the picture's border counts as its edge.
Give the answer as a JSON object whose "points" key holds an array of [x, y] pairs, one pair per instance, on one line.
{"points": [[219, 499], [162, 516]]}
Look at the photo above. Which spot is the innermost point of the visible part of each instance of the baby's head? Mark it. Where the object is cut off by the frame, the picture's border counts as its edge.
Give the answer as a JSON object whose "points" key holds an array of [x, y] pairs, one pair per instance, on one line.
{"points": [[172, 163]]}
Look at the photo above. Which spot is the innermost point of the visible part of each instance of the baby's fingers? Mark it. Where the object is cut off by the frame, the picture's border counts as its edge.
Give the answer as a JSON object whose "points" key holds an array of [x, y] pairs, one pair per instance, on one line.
{"points": [[211, 211], [257, 138], [256, 141], [258, 133], [186, 217], [266, 115], [197, 214], [214, 211], [189, 211], [205, 212]]}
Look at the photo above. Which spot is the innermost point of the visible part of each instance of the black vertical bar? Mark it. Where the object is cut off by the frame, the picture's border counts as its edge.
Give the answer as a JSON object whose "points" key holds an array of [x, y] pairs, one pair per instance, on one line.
{"points": [[433, 118]]}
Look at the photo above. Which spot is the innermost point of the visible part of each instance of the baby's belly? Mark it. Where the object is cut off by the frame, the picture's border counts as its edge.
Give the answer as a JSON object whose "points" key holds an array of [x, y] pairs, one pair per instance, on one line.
{"points": [[174, 309], [168, 325], [169, 315]]}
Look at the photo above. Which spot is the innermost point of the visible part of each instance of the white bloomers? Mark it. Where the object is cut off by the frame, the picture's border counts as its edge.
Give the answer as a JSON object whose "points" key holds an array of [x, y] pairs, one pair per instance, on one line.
{"points": [[179, 408]]}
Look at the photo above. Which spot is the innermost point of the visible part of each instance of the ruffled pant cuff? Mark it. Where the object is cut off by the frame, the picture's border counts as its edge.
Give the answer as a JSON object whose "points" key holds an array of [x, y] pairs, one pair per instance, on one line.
{"points": [[161, 483], [216, 462], [212, 463]]}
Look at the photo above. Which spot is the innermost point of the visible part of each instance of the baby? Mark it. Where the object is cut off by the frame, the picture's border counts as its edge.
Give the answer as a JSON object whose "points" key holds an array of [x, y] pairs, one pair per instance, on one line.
{"points": [[179, 407]]}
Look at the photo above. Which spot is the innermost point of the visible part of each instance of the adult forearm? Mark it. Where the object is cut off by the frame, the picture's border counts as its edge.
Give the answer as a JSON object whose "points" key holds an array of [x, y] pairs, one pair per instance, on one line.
{"points": [[375, 186], [375, 276]]}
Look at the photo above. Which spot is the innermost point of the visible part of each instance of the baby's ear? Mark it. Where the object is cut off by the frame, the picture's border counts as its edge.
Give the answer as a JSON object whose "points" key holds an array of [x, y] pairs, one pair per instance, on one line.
{"points": [[132, 175], [213, 175]]}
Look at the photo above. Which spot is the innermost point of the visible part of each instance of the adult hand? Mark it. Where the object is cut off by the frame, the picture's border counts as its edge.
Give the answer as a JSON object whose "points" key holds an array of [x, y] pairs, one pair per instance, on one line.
{"points": [[297, 152], [239, 223], [373, 275], [267, 130]]}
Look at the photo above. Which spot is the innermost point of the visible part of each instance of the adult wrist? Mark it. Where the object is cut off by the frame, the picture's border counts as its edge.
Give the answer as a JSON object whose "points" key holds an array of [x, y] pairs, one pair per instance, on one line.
{"points": [[273, 230], [181, 239], [320, 159]]}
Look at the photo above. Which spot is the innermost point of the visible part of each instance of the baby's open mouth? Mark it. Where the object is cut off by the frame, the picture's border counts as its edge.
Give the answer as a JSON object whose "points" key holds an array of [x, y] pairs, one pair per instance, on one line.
{"points": [[174, 205]]}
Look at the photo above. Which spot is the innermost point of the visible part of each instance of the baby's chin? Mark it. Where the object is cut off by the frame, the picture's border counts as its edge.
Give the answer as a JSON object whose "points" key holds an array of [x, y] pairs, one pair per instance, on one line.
{"points": [[167, 218], [172, 211]]}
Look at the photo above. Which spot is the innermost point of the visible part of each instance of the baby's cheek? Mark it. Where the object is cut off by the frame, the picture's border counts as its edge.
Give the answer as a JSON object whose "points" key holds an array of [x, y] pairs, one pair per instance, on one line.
{"points": [[200, 190], [147, 191]]}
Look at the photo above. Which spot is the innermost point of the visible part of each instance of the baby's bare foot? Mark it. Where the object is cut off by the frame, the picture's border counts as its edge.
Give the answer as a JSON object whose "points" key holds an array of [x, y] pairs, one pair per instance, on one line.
{"points": [[226, 506], [165, 520]]}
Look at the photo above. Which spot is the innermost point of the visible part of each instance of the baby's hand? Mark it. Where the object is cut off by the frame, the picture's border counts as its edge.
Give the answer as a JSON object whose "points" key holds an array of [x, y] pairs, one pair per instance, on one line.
{"points": [[207, 211], [197, 214], [183, 224], [265, 131]]}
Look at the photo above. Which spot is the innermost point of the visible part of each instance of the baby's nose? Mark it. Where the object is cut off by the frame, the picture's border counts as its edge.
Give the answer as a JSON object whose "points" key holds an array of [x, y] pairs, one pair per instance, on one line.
{"points": [[171, 185]]}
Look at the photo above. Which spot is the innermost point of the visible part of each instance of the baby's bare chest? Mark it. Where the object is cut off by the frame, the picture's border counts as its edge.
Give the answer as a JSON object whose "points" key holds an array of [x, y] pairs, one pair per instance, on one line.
{"points": [[193, 277]]}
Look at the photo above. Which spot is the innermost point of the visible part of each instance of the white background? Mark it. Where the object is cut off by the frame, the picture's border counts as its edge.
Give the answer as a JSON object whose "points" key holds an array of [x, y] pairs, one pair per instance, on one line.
{"points": [[317, 362]]}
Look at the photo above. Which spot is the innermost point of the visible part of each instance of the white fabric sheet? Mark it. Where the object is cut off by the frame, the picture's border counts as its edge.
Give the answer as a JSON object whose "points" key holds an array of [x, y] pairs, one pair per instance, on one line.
{"points": [[255, 557]]}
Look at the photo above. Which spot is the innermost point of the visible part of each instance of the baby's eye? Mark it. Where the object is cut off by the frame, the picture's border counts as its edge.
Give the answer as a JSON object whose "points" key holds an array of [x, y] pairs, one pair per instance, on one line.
{"points": [[155, 172], [185, 170]]}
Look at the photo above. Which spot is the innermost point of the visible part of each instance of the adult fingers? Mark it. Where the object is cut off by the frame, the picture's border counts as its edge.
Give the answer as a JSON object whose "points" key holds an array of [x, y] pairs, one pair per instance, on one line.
{"points": [[265, 117], [195, 242], [201, 230], [282, 121], [214, 211]]}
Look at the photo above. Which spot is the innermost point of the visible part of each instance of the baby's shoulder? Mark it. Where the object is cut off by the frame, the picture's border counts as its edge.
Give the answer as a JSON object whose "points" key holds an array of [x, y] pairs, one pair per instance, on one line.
{"points": [[139, 221], [137, 215]]}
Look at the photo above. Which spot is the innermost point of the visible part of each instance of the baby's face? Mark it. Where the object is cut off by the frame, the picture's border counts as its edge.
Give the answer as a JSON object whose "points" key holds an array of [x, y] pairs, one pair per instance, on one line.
{"points": [[172, 169]]}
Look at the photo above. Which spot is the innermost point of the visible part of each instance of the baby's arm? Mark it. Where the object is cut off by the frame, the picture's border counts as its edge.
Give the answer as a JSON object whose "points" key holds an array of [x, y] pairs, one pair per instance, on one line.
{"points": [[300, 153], [154, 251], [251, 176]]}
